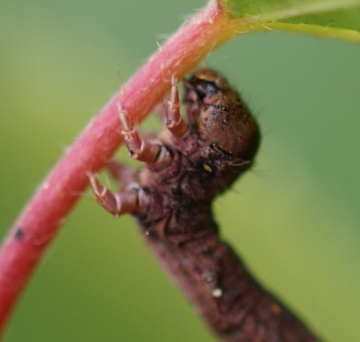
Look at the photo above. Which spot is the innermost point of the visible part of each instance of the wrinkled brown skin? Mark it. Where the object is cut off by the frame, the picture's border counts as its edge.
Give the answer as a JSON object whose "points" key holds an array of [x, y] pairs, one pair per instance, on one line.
{"points": [[218, 147]]}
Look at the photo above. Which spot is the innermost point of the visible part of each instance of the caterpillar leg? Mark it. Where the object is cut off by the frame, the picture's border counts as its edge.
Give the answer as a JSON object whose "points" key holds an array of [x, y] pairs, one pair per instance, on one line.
{"points": [[174, 122], [141, 149], [117, 203]]}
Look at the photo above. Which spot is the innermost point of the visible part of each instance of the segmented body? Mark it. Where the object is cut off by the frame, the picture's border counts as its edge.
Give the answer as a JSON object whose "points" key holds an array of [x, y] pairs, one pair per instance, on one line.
{"points": [[185, 169]]}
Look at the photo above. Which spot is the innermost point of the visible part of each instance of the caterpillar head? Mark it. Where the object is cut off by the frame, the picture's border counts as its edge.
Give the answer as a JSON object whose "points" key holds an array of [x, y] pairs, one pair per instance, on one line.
{"points": [[219, 115]]}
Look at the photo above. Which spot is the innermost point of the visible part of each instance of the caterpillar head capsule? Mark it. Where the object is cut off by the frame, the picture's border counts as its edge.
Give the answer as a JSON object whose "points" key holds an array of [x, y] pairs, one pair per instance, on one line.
{"points": [[217, 112]]}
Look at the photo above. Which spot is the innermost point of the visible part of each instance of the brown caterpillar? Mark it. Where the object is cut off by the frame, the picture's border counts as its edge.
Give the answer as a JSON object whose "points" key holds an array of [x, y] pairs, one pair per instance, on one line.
{"points": [[185, 168]]}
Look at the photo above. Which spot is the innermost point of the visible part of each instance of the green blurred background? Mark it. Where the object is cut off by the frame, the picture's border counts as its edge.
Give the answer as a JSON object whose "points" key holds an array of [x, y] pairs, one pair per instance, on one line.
{"points": [[295, 218]]}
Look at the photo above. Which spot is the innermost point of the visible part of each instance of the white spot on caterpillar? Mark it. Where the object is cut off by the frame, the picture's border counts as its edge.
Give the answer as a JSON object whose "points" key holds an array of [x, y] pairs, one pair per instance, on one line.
{"points": [[207, 168], [217, 293]]}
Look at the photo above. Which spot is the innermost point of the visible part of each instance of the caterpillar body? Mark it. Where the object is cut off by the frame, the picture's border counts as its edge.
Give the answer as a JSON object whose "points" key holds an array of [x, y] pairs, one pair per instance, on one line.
{"points": [[185, 168]]}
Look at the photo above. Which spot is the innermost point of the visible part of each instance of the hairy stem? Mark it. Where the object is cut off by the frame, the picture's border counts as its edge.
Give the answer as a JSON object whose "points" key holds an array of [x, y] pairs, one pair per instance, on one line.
{"points": [[42, 217]]}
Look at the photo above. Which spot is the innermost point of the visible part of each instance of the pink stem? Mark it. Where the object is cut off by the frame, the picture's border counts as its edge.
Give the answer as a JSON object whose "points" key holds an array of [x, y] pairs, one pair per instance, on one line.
{"points": [[38, 224]]}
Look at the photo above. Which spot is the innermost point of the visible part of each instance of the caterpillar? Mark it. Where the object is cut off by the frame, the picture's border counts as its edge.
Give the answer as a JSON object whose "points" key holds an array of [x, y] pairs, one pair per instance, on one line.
{"points": [[185, 168]]}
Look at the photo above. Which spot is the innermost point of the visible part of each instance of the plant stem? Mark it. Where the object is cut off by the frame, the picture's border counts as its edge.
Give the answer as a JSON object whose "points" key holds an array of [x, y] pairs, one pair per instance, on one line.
{"points": [[42, 217]]}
